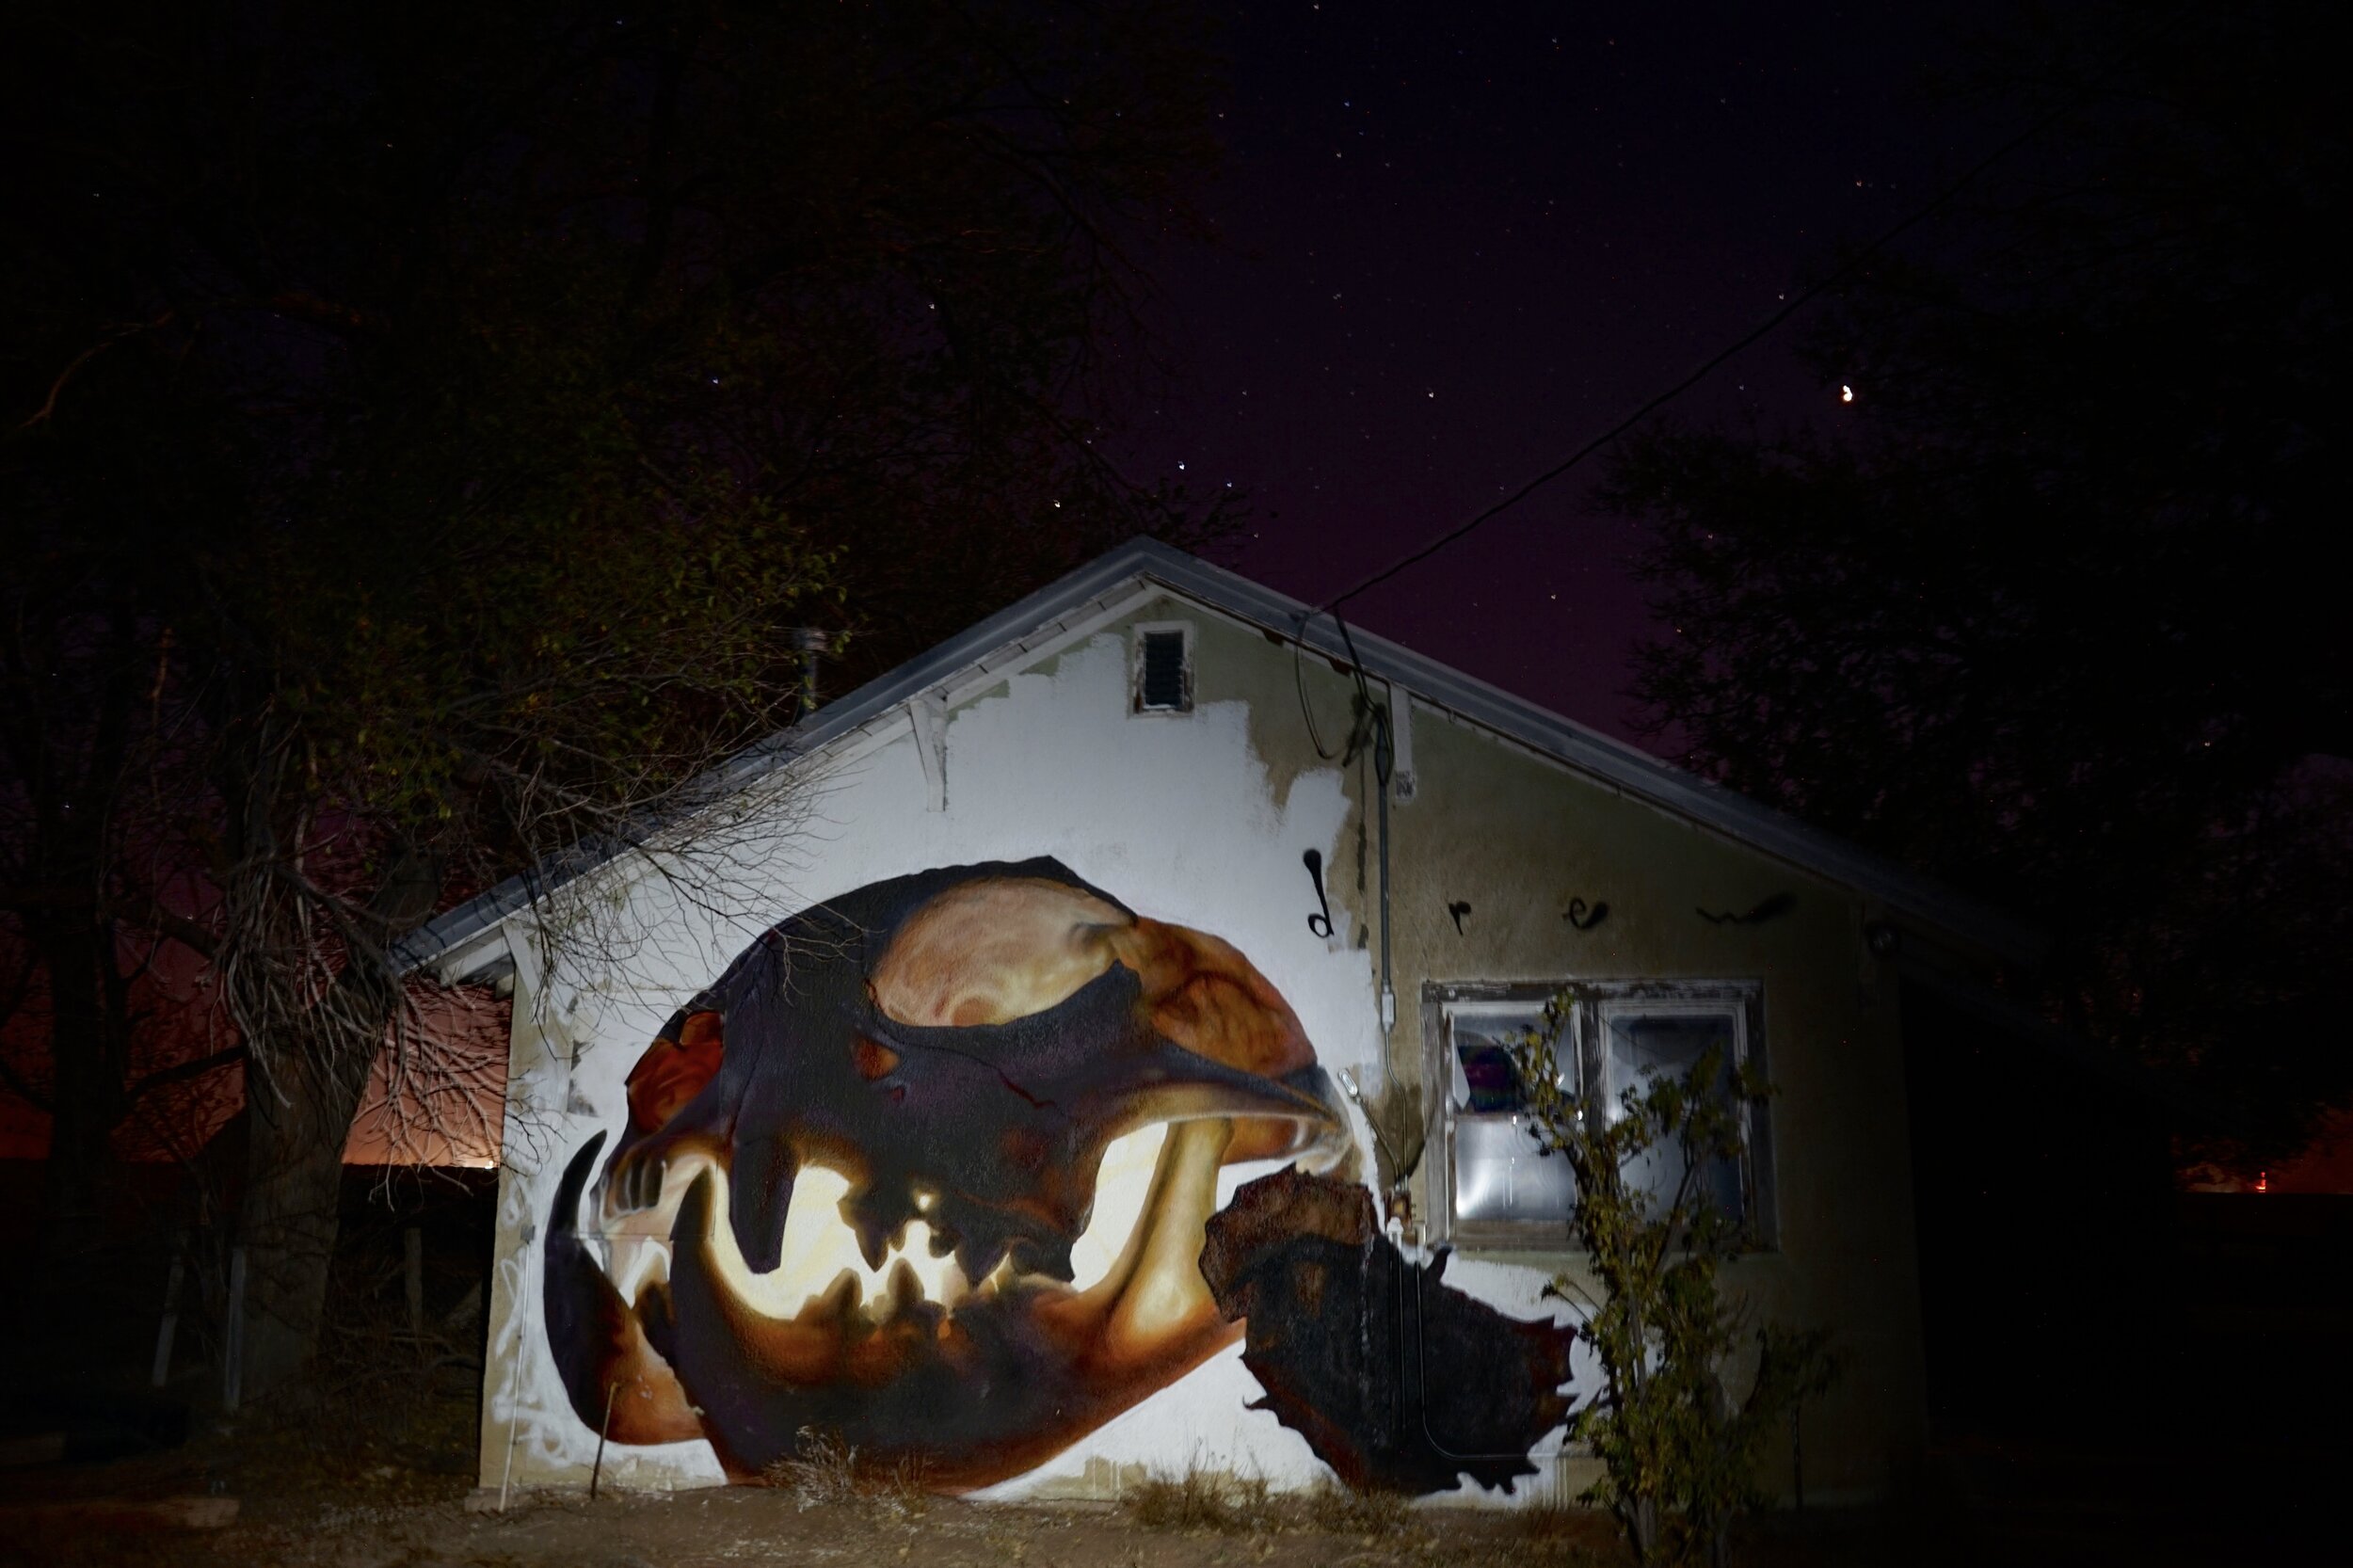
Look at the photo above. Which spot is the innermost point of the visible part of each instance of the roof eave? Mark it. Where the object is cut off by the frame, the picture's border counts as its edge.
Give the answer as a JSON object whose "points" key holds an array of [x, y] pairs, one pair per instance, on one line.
{"points": [[1621, 766]]}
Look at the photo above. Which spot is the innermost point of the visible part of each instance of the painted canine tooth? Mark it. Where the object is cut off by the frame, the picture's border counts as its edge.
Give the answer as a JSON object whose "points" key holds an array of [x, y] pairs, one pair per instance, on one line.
{"points": [[1122, 1185]]}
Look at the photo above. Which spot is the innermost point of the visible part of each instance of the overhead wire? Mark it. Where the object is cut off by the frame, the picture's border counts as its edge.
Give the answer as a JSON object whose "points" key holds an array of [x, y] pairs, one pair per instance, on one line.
{"points": [[1299, 680], [1804, 297], [1367, 713]]}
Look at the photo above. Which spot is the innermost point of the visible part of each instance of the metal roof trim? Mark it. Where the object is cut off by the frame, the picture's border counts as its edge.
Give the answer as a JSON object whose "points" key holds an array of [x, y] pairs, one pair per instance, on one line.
{"points": [[1627, 768]]}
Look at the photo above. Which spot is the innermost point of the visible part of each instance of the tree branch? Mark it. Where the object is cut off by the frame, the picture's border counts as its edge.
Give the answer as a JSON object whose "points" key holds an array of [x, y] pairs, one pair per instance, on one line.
{"points": [[151, 916], [57, 389], [23, 1090], [20, 987], [180, 1072]]}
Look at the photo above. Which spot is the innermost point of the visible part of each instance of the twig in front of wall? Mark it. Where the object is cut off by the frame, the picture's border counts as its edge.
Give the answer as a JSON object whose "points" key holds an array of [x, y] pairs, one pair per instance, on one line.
{"points": [[596, 1473]]}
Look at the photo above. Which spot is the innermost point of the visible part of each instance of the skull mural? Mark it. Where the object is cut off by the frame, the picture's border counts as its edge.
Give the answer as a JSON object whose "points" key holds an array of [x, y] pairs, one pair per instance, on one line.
{"points": [[857, 1188]]}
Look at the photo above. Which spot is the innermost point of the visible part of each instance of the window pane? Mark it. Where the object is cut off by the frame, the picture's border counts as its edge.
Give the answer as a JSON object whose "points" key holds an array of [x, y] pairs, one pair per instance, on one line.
{"points": [[1485, 1081], [1490, 1082], [1498, 1174], [1165, 669], [1645, 1046]]}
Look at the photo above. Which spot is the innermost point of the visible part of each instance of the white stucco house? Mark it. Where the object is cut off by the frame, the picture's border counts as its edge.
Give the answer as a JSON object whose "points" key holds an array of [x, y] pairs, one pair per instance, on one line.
{"points": [[985, 1072]]}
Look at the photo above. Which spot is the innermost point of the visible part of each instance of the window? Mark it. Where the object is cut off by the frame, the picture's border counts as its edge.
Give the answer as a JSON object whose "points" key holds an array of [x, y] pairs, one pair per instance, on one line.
{"points": [[1500, 1176], [1162, 677], [1491, 1187], [1642, 1040]]}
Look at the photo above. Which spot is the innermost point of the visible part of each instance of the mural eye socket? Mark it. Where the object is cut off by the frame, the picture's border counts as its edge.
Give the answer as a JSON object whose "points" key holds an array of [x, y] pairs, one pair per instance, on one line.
{"points": [[872, 1058], [681, 1060]]}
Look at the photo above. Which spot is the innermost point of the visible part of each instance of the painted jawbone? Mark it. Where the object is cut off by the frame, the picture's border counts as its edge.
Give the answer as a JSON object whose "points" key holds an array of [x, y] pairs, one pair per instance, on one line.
{"points": [[856, 1192]]}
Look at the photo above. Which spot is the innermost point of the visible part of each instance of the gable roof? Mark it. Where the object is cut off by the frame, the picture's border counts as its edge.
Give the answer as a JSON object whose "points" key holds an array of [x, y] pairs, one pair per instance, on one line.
{"points": [[1140, 564]]}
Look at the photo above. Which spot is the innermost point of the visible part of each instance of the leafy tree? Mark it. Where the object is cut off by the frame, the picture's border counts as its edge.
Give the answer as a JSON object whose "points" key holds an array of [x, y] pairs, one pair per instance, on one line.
{"points": [[428, 427], [1679, 1448], [2041, 612]]}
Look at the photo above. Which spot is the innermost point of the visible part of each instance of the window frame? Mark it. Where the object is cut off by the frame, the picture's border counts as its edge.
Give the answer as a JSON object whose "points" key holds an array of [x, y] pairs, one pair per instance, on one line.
{"points": [[1744, 999], [1138, 635]]}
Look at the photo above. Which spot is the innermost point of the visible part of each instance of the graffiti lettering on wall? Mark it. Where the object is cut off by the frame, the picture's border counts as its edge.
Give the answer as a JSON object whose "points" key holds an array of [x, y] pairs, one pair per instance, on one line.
{"points": [[857, 1193]]}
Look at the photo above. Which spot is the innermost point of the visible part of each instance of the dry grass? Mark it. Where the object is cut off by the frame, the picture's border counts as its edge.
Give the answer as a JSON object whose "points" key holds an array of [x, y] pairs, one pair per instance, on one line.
{"points": [[826, 1472], [1560, 1533], [1203, 1501], [821, 1471], [1340, 1509], [904, 1489], [1551, 1517], [1216, 1501]]}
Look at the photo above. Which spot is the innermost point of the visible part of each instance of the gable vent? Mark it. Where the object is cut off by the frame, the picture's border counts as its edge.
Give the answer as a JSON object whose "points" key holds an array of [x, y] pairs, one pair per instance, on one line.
{"points": [[1163, 670]]}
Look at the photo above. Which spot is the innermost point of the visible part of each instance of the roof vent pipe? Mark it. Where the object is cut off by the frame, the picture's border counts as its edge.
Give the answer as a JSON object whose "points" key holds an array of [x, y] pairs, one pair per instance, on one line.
{"points": [[814, 645]]}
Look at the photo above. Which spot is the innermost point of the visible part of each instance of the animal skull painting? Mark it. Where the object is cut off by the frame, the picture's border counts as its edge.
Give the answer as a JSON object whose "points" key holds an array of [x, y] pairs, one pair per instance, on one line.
{"points": [[857, 1190]]}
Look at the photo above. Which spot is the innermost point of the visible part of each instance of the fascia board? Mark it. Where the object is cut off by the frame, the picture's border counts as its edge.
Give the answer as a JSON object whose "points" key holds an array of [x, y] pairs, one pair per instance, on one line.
{"points": [[1116, 582], [1633, 772]]}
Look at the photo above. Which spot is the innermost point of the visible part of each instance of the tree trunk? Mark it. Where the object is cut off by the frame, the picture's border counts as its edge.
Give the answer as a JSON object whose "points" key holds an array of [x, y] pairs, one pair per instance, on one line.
{"points": [[84, 1095], [71, 798], [302, 1090], [1641, 1523], [288, 1220]]}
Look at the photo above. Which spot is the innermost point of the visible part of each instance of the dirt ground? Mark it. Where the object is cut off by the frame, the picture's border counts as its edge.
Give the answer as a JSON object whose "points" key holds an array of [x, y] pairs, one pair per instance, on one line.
{"points": [[392, 1517], [399, 1521], [739, 1527], [373, 1467], [371, 1464]]}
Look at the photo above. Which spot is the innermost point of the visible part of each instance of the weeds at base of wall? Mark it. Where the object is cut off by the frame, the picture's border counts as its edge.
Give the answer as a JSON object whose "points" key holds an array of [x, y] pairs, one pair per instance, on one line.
{"points": [[1338, 1510], [1201, 1499], [1557, 1519], [1216, 1501], [826, 1471]]}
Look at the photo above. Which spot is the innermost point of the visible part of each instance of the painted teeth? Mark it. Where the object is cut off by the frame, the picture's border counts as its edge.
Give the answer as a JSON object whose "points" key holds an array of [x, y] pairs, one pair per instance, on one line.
{"points": [[903, 1270], [836, 1261], [1045, 1258], [905, 1293], [839, 1301], [980, 1260]]}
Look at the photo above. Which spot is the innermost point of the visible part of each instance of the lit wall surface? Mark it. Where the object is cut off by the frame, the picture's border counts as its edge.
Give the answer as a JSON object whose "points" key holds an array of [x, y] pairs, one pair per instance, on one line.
{"points": [[981, 1097]]}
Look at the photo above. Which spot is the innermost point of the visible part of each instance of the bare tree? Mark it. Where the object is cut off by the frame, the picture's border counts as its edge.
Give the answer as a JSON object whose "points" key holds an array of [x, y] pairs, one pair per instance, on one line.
{"points": [[470, 426]]}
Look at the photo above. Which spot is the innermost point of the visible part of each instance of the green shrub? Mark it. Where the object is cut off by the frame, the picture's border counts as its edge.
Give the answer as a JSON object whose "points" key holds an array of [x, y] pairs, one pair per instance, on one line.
{"points": [[1679, 1451]]}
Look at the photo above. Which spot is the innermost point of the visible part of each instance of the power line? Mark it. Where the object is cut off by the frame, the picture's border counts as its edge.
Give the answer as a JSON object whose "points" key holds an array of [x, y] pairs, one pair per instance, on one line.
{"points": [[1805, 296]]}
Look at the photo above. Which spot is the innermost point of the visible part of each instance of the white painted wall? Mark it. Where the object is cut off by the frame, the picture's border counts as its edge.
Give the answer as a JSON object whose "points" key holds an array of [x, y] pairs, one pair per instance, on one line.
{"points": [[1174, 815]]}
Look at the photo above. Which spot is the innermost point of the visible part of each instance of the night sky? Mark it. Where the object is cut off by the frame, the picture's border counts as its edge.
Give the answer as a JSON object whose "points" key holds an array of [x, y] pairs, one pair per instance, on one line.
{"points": [[1457, 242]]}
